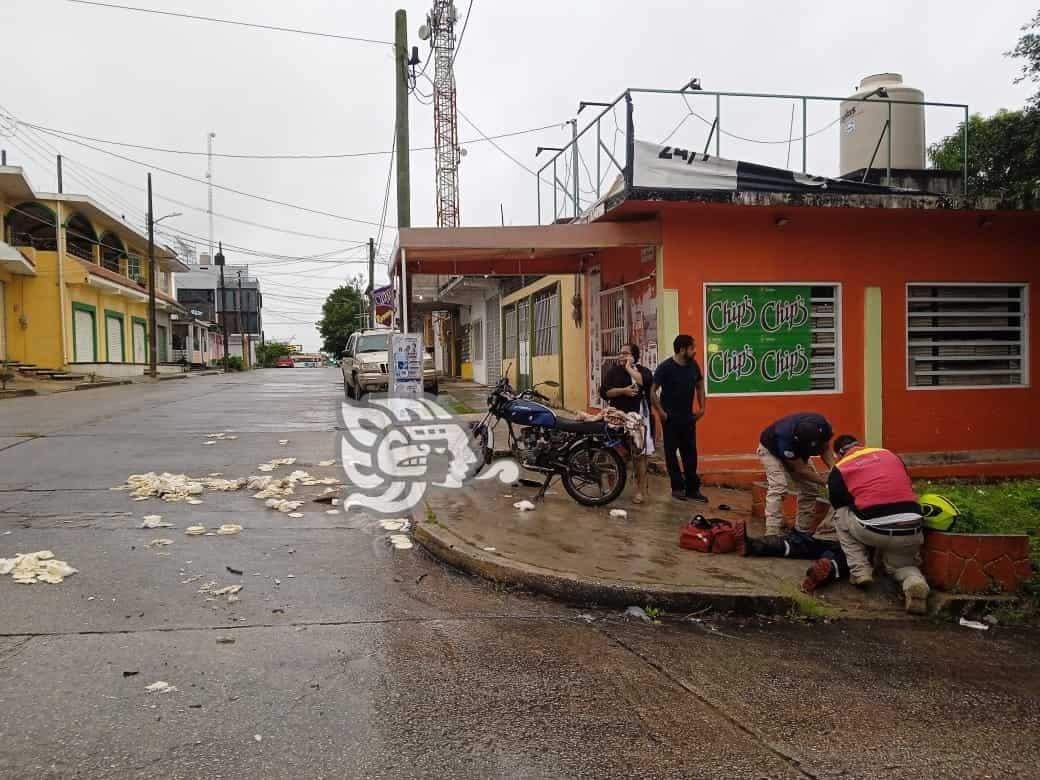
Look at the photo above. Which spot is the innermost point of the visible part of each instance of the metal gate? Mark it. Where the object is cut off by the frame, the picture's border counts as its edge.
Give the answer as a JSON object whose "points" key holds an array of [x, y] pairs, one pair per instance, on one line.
{"points": [[114, 340], [523, 327], [493, 353], [160, 336], [140, 341]]}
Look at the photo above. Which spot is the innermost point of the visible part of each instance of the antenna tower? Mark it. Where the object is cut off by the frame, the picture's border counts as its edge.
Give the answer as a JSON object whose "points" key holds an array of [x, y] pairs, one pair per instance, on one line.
{"points": [[441, 25]]}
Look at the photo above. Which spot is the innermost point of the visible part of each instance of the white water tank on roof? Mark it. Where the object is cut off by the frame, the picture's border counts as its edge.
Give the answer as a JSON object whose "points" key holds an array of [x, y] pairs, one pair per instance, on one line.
{"points": [[862, 124]]}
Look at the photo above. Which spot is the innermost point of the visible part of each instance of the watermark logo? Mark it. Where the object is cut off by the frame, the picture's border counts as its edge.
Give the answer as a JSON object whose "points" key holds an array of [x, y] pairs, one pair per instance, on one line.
{"points": [[395, 448]]}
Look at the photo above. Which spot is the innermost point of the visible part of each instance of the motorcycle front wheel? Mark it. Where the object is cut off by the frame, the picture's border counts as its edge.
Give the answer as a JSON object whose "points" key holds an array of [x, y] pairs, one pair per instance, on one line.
{"points": [[594, 476]]}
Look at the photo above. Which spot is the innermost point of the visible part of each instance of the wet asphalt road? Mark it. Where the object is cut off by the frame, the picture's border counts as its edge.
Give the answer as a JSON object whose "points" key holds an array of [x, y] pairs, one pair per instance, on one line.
{"points": [[352, 659]]}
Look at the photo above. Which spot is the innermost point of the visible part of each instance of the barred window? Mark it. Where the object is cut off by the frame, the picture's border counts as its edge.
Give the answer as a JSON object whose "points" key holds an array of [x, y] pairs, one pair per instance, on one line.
{"points": [[824, 357], [133, 267], [966, 335], [613, 323], [547, 321], [509, 332], [477, 332]]}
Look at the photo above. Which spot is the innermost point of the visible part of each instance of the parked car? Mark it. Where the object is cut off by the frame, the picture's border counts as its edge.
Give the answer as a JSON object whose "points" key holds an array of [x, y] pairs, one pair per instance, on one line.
{"points": [[364, 364], [284, 362]]}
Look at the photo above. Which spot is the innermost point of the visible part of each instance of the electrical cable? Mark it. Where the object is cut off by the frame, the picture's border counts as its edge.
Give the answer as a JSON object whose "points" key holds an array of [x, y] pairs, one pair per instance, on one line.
{"points": [[807, 136], [255, 25], [462, 34], [232, 190], [235, 156]]}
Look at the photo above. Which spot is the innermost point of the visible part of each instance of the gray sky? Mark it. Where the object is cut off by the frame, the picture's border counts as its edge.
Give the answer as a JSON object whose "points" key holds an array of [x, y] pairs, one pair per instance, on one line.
{"points": [[166, 82]]}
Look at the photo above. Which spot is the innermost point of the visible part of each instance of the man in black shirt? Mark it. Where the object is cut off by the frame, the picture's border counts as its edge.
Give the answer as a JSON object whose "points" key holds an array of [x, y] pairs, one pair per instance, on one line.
{"points": [[677, 382], [626, 387]]}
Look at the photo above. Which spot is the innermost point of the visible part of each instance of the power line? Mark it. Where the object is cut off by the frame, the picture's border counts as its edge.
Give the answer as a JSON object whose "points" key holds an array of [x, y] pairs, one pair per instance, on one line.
{"points": [[200, 210], [232, 190], [255, 25], [462, 34], [192, 153]]}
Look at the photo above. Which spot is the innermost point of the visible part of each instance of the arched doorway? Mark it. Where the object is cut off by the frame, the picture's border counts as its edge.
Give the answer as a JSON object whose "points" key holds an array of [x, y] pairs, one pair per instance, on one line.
{"points": [[113, 251], [32, 224], [80, 237]]}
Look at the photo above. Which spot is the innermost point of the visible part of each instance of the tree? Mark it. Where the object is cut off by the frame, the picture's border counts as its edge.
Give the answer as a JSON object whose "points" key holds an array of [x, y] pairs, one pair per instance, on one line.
{"points": [[269, 352], [1028, 48], [1004, 149], [341, 315], [1003, 154]]}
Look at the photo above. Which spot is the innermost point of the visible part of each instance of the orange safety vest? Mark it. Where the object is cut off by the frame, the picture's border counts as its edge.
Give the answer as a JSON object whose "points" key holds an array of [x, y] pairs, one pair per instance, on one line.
{"points": [[877, 480]]}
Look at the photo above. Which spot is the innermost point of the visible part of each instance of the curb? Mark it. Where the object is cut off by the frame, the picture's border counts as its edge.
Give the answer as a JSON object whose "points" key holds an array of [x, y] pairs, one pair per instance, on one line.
{"points": [[16, 393], [575, 589], [108, 383], [169, 377]]}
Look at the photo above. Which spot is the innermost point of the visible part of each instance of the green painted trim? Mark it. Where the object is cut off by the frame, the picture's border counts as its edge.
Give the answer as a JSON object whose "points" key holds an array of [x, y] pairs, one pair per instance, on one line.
{"points": [[667, 322], [139, 321], [116, 315], [92, 310], [161, 335], [872, 349]]}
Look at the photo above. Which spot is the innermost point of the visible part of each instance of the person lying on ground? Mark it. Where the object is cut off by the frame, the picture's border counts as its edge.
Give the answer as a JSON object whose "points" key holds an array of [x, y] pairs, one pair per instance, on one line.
{"points": [[821, 546], [785, 448], [875, 507]]}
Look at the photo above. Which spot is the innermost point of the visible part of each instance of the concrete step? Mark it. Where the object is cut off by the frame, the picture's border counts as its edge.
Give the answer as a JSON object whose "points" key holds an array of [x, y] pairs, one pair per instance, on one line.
{"points": [[67, 377]]}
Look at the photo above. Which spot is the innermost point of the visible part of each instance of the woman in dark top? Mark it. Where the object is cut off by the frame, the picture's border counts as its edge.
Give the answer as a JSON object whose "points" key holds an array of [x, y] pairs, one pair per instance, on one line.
{"points": [[626, 387]]}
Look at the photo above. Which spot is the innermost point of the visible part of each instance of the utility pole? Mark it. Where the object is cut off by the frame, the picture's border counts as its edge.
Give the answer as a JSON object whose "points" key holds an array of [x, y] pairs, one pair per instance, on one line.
{"points": [[404, 195], [60, 190], [574, 165], [153, 366], [221, 313], [238, 316], [371, 282], [209, 183]]}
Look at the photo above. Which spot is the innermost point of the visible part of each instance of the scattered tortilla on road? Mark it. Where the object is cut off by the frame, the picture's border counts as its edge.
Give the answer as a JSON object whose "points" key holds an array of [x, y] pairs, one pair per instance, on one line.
{"points": [[160, 686], [228, 529]]}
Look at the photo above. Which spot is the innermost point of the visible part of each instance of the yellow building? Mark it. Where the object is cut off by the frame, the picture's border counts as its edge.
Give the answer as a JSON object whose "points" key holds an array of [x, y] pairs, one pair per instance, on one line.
{"points": [[73, 283], [541, 340]]}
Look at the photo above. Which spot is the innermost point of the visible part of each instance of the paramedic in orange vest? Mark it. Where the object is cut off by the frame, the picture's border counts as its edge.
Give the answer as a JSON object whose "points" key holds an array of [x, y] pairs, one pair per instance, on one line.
{"points": [[875, 506]]}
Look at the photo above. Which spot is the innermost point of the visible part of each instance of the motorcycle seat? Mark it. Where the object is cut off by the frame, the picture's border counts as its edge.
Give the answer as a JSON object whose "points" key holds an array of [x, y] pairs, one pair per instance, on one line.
{"points": [[577, 426]]}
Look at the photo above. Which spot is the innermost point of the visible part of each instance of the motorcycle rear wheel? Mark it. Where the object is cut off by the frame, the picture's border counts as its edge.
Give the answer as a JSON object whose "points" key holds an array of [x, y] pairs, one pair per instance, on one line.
{"points": [[594, 476]]}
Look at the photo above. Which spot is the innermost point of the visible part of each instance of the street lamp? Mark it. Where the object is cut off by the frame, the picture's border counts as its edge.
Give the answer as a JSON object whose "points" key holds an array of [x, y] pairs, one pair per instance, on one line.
{"points": [[153, 362]]}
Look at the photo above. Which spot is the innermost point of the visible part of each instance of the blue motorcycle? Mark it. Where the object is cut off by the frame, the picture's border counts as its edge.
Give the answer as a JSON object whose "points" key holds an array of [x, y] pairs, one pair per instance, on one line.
{"points": [[584, 455]]}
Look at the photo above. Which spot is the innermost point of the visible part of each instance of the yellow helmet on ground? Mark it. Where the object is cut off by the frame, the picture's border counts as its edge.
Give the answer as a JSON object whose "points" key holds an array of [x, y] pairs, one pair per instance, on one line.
{"points": [[938, 513]]}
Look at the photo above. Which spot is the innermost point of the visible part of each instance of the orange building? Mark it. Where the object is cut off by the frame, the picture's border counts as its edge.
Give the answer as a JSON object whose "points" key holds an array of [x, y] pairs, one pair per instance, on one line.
{"points": [[919, 335]]}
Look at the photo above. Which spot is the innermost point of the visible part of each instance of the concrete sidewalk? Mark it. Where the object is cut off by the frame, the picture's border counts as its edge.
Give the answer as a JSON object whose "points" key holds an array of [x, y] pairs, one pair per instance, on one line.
{"points": [[582, 555]]}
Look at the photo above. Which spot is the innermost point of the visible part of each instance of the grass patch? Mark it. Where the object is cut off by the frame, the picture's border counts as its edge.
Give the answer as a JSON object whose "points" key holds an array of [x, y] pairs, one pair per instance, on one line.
{"points": [[458, 407], [1009, 506], [805, 606], [1006, 507]]}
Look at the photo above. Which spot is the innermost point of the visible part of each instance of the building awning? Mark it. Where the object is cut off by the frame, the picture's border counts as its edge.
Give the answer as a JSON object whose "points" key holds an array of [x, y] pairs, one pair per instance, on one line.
{"points": [[13, 261], [515, 251]]}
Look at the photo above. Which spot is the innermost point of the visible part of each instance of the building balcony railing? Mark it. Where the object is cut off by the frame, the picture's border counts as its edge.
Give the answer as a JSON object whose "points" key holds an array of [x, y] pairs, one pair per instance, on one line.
{"points": [[782, 131]]}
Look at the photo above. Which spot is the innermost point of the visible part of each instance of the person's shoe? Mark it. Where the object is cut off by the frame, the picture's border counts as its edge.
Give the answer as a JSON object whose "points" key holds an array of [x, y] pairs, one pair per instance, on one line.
{"points": [[679, 495], [820, 573], [915, 591], [862, 582], [698, 496]]}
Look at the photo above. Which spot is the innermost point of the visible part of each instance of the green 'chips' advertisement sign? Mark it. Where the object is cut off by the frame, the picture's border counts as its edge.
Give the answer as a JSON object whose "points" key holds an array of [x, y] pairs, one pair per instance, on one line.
{"points": [[759, 338]]}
